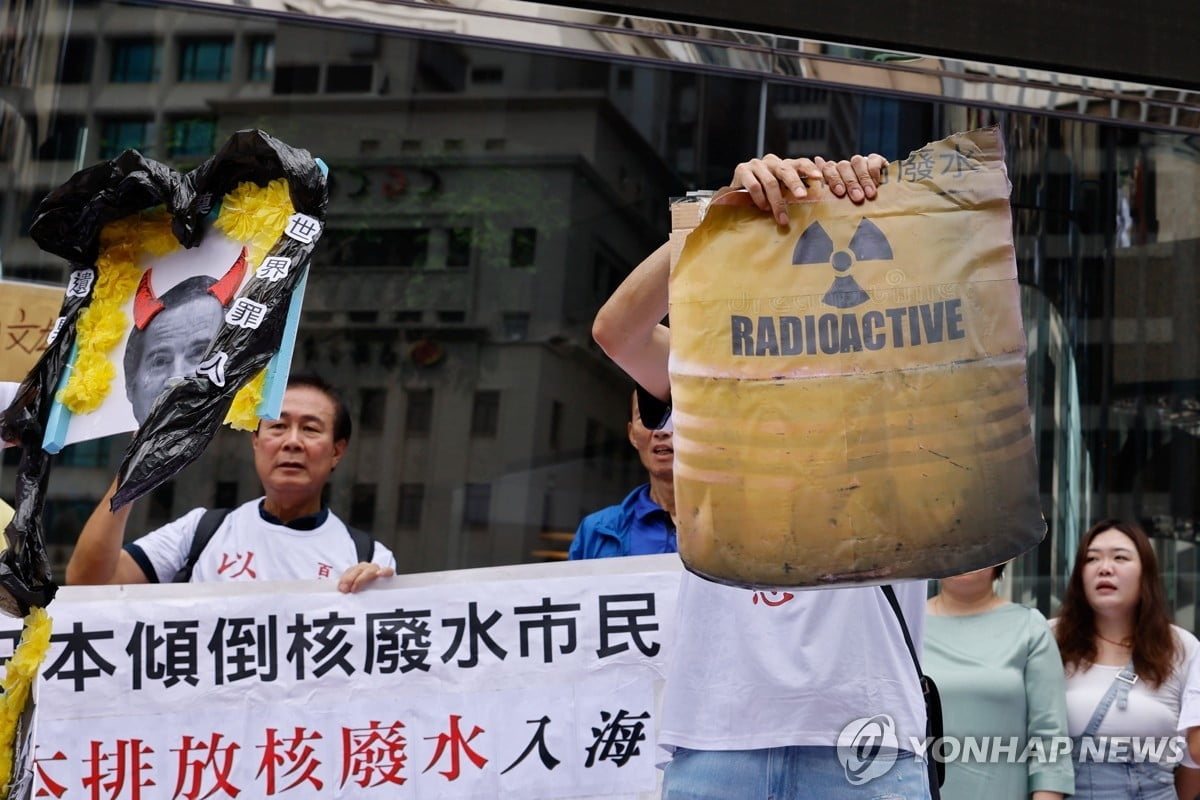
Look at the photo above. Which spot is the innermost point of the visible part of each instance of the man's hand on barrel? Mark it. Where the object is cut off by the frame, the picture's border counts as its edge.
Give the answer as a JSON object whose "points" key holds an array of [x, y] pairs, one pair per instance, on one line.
{"points": [[773, 181]]}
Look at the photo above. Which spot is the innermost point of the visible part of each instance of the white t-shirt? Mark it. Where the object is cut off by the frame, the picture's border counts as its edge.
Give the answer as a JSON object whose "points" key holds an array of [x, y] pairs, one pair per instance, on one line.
{"points": [[755, 669], [7, 392], [1149, 712], [247, 547]]}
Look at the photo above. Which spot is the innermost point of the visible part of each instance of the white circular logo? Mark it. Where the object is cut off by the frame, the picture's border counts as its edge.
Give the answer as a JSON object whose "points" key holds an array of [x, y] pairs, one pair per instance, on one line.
{"points": [[867, 748]]}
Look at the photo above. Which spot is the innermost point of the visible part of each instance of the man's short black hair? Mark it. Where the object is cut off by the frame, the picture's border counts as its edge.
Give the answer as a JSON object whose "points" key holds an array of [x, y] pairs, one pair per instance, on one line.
{"points": [[654, 412], [341, 416]]}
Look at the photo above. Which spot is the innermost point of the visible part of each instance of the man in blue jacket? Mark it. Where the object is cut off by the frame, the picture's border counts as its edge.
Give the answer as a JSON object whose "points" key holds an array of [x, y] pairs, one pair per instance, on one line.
{"points": [[642, 523]]}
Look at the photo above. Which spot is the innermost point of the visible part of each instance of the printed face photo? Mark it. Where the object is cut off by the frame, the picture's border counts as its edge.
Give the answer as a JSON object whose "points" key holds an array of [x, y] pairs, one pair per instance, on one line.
{"points": [[172, 344], [177, 310]]}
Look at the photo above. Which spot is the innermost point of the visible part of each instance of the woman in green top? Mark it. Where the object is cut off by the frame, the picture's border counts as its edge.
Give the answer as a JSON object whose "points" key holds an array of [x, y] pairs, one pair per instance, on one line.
{"points": [[1000, 677]]}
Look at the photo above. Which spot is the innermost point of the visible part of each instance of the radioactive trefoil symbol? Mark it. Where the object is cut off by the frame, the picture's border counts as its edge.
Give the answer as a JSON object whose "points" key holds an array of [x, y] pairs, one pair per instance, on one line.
{"points": [[867, 244]]}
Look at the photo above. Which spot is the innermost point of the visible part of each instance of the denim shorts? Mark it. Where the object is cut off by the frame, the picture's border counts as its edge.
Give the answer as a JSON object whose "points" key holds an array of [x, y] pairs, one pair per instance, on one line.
{"points": [[785, 773], [1104, 781]]}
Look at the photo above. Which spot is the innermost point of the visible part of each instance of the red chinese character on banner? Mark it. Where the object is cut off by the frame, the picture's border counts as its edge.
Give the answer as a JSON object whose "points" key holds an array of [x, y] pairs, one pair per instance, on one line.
{"points": [[210, 757], [123, 777], [458, 745], [47, 786], [772, 598], [324, 570], [284, 757], [372, 756], [237, 560]]}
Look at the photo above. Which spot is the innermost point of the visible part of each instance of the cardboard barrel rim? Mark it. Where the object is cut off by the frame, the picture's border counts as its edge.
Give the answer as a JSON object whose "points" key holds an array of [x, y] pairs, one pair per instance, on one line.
{"points": [[850, 399]]}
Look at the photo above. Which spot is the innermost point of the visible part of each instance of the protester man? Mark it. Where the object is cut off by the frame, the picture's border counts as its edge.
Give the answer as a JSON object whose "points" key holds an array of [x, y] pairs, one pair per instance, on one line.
{"points": [[642, 523], [288, 534], [762, 686]]}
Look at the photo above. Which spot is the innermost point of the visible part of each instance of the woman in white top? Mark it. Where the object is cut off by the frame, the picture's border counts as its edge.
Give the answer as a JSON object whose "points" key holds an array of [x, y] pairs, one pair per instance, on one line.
{"points": [[1126, 666]]}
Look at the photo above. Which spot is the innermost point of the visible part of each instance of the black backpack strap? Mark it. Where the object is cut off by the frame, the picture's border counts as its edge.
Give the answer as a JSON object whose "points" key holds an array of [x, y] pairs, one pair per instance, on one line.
{"points": [[210, 520], [364, 545], [933, 702]]}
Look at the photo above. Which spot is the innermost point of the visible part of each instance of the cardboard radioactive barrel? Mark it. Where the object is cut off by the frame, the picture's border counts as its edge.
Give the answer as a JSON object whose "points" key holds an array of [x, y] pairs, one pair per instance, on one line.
{"points": [[849, 392]]}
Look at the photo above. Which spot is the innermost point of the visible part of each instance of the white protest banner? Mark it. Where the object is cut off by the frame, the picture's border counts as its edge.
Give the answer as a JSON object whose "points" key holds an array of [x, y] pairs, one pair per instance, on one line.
{"points": [[535, 681]]}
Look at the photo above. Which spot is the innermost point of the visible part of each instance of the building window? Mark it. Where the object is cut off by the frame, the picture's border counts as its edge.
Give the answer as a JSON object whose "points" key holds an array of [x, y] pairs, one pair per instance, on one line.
{"points": [[262, 58], [192, 137], [205, 59], [487, 75], [451, 316], [161, 500], [119, 135], [556, 416], [523, 247], [226, 495], [372, 407], [495, 145], [476, 506], [348, 78], [77, 61], [410, 146], [806, 129], [92, 453], [297, 79], [63, 519], [458, 247], [516, 325], [408, 316], [485, 413], [399, 247], [134, 61], [410, 501], [418, 416], [408, 247], [64, 138], [362, 505], [453, 145], [591, 441]]}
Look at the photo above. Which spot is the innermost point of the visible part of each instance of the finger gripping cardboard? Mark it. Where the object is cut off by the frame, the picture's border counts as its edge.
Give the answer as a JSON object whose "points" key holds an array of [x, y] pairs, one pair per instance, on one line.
{"points": [[849, 391]]}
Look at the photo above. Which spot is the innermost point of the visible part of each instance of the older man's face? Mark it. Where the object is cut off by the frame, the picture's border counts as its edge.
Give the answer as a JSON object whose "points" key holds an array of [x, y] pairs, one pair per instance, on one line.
{"points": [[295, 454], [175, 343]]}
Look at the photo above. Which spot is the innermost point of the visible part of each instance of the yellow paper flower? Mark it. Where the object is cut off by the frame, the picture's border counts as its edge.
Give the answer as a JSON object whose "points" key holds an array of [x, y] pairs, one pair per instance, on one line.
{"points": [[256, 215], [156, 236], [243, 412], [102, 325], [17, 685]]}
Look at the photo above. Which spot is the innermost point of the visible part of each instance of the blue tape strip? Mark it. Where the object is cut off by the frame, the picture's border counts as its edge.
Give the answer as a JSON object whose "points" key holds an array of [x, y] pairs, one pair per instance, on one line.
{"points": [[60, 416], [279, 367]]}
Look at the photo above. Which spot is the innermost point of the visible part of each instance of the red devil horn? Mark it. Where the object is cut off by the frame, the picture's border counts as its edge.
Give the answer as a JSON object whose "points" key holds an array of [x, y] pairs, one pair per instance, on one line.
{"points": [[225, 288], [145, 303]]}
